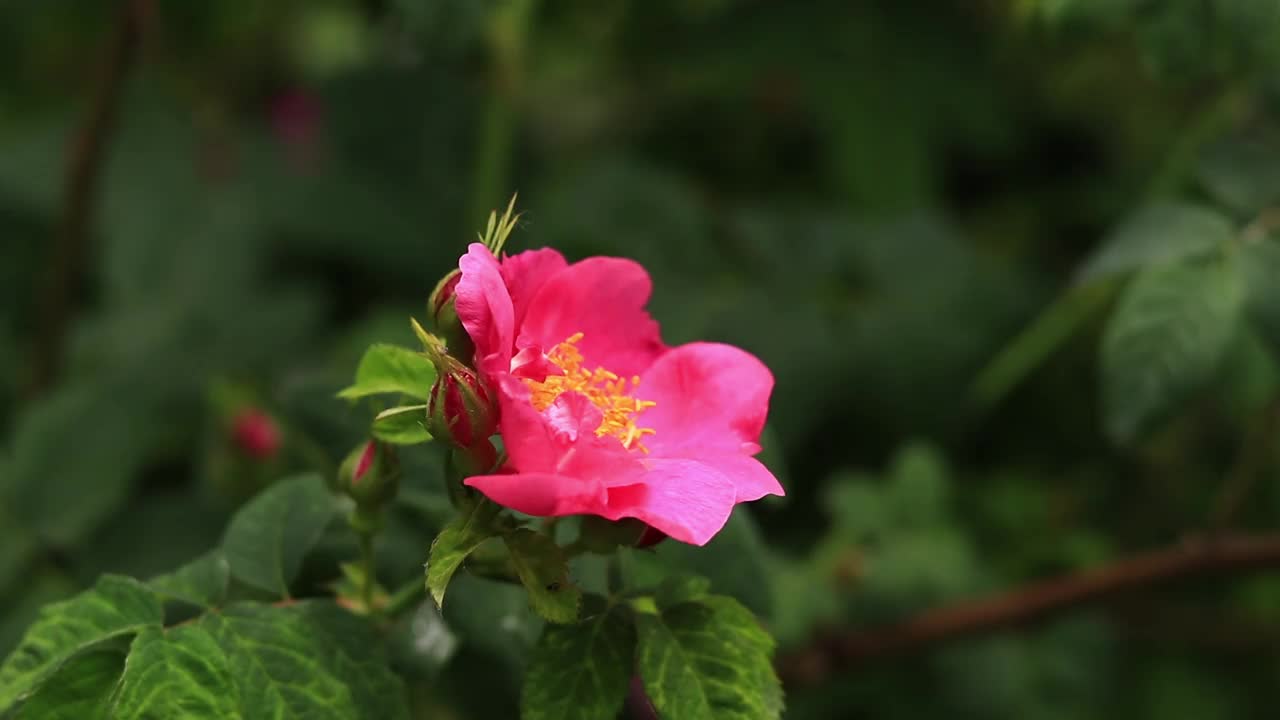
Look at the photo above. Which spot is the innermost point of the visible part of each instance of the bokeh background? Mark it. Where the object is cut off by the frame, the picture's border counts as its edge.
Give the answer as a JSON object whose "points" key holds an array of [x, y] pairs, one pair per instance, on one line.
{"points": [[888, 202]]}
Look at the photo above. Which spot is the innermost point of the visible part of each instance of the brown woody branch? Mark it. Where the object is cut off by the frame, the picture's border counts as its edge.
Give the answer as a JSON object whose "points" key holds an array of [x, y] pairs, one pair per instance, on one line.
{"points": [[1196, 557], [85, 161]]}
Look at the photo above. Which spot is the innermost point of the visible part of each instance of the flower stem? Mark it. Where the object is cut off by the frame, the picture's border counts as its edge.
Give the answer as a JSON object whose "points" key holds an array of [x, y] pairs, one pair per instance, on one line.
{"points": [[368, 580]]}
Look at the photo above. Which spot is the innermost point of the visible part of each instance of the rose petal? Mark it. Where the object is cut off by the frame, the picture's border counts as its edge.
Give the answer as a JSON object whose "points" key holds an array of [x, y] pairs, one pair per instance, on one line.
{"points": [[561, 440], [751, 479], [542, 494], [686, 499], [602, 298], [525, 273], [484, 307], [711, 398]]}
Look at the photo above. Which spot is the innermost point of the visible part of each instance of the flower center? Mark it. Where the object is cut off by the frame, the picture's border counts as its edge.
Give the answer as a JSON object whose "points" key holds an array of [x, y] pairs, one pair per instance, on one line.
{"points": [[604, 389]]}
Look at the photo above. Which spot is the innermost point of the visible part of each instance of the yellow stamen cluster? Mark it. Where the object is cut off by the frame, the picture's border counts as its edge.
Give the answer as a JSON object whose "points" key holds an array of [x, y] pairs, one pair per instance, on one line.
{"points": [[604, 389]]}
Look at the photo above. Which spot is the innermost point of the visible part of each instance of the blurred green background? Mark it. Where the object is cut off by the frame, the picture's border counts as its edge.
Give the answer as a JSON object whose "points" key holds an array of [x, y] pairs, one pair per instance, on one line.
{"points": [[878, 199]]}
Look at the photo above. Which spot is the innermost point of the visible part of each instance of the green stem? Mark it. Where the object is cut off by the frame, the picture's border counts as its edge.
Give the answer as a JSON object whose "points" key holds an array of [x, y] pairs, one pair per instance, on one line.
{"points": [[508, 34], [370, 572]]}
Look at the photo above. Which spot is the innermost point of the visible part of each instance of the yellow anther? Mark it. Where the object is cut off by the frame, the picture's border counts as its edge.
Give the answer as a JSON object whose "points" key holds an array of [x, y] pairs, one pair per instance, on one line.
{"points": [[604, 389]]}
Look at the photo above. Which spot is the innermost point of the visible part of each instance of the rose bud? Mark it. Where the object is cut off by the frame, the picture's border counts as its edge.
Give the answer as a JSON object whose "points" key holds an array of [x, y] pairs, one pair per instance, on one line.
{"points": [[443, 315], [461, 410], [256, 434], [370, 475]]}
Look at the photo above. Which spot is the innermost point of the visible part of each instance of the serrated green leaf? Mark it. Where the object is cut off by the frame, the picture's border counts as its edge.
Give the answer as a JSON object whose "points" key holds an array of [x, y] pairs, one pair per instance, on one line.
{"points": [[404, 425], [1159, 234], [544, 570], [201, 582], [311, 659], [115, 608], [79, 691], [708, 659], [681, 589], [455, 542], [1165, 340], [267, 539], [392, 369], [581, 671], [180, 672]]}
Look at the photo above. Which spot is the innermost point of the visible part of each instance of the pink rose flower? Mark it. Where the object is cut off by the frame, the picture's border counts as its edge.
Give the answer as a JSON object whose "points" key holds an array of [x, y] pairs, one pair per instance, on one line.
{"points": [[597, 415]]}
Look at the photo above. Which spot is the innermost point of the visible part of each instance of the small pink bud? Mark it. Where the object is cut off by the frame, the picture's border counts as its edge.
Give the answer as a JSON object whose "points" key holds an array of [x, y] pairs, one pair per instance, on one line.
{"points": [[256, 434], [461, 410], [443, 315], [370, 475]]}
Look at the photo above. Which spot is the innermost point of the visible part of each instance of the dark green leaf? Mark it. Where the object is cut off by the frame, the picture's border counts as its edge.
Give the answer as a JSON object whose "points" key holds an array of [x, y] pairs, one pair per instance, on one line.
{"points": [[604, 536], [734, 561], [581, 671], [681, 589], [201, 582], [1159, 234], [79, 691], [180, 672], [114, 608], [268, 538], [1165, 340], [1242, 174], [544, 570], [708, 659], [402, 425], [311, 660], [455, 542], [392, 369]]}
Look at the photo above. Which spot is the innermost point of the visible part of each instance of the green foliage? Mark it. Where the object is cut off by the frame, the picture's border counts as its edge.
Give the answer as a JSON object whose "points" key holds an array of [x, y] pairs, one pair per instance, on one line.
{"points": [[455, 542], [1160, 234], [708, 660], [544, 571], [388, 369], [405, 425], [202, 582], [1165, 341], [80, 691], [267, 540], [114, 610], [581, 671]]}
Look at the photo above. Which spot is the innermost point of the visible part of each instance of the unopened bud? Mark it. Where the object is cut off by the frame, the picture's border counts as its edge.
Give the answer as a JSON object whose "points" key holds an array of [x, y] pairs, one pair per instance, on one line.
{"points": [[461, 410], [256, 434], [370, 475], [443, 314]]}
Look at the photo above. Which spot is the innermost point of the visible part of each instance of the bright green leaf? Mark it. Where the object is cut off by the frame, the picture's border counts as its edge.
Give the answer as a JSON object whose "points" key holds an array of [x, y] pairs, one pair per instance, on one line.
{"points": [[179, 672], [402, 425], [581, 671], [1159, 234], [455, 542], [1165, 340], [708, 660], [392, 369], [267, 539], [201, 582], [311, 660], [544, 570], [115, 608], [79, 691]]}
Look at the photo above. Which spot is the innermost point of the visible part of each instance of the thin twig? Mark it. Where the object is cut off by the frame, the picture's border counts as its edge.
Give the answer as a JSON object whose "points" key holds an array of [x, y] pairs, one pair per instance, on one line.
{"points": [[848, 648], [87, 153]]}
